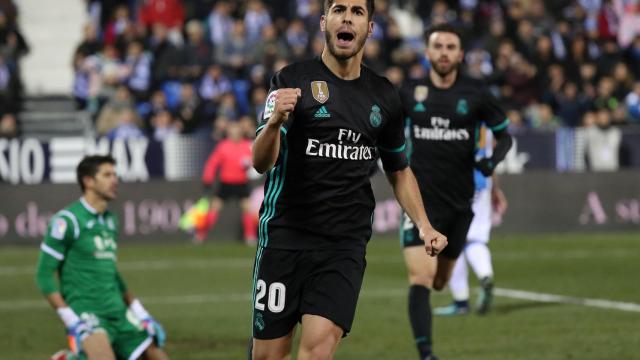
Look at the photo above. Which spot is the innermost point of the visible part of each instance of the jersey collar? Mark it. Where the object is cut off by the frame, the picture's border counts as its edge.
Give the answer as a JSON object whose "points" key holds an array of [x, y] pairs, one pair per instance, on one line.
{"points": [[86, 205]]}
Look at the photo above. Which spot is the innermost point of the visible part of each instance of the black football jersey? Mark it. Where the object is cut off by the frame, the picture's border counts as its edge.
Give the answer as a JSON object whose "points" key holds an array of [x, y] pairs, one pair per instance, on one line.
{"points": [[318, 193], [444, 125]]}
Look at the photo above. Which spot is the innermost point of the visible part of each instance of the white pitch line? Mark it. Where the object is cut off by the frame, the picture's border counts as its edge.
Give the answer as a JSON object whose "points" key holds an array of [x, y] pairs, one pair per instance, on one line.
{"points": [[550, 298], [31, 304]]}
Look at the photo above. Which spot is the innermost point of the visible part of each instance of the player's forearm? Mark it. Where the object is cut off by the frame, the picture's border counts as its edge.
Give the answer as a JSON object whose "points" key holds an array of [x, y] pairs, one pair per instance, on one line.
{"points": [[56, 300], [407, 192], [46, 274], [266, 148], [503, 144]]}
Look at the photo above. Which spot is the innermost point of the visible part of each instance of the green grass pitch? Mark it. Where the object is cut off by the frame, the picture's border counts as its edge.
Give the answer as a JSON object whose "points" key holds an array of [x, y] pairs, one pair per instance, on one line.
{"points": [[201, 295]]}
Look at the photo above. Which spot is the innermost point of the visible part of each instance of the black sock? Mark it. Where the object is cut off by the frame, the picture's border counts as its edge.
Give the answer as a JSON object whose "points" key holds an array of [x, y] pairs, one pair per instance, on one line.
{"points": [[420, 317]]}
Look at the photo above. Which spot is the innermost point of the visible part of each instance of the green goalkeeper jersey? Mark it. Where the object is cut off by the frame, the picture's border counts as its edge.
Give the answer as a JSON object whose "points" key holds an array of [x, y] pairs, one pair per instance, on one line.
{"points": [[80, 245]]}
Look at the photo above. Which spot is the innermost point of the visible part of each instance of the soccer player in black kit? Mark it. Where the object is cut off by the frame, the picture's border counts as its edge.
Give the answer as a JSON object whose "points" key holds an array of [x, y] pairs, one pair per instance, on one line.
{"points": [[325, 123], [444, 112]]}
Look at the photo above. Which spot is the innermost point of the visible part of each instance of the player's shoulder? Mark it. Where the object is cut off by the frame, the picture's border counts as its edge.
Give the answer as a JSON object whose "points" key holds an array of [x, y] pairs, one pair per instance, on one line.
{"points": [[473, 83], [295, 69], [378, 81]]}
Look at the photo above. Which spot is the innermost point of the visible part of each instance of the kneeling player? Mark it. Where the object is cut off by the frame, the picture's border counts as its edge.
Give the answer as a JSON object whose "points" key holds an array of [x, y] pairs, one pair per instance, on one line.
{"points": [[103, 319]]}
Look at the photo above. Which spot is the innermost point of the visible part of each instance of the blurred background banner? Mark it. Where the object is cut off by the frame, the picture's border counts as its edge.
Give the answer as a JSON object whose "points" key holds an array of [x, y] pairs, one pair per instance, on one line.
{"points": [[539, 202]]}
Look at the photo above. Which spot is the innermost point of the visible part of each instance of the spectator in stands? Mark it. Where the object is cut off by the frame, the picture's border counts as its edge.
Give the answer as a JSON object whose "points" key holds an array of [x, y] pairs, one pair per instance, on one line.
{"points": [[156, 104], [569, 105], [136, 70], [197, 53], [9, 126], [256, 18], [8, 100], [166, 57], [220, 22], [234, 51], [109, 70], [117, 25], [127, 127], [632, 101], [517, 125], [269, 48], [214, 84], [228, 107], [81, 80], [605, 98], [542, 118], [164, 126], [632, 56], [258, 100], [168, 13], [111, 113], [623, 80], [298, 40], [603, 143], [190, 110], [90, 43]]}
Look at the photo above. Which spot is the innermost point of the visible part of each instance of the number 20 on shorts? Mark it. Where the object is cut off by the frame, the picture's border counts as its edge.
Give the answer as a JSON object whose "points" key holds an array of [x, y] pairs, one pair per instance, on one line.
{"points": [[275, 297]]}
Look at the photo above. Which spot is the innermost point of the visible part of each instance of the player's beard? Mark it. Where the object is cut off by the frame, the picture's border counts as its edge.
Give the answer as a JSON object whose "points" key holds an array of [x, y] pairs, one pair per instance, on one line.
{"points": [[335, 52], [446, 70]]}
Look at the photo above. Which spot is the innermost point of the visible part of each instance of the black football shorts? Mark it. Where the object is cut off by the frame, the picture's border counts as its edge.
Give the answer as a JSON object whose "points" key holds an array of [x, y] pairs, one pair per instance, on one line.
{"points": [[290, 283]]}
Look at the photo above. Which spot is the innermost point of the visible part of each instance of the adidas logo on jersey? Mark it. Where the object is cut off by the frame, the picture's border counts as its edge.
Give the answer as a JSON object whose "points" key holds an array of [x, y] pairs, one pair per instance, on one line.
{"points": [[419, 108], [322, 113]]}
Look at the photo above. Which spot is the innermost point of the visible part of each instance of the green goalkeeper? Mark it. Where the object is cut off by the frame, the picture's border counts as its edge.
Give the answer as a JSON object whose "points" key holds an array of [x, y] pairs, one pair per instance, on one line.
{"points": [[102, 318]]}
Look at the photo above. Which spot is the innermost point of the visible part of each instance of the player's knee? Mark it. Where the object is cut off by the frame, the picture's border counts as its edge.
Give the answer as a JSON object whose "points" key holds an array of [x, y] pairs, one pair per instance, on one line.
{"points": [[425, 280], [439, 283], [319, 351]]}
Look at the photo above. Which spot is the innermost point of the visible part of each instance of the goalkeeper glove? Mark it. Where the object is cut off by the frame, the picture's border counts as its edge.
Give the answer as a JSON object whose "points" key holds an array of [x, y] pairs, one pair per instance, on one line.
{"points": [[153, 328], [77, 329], [485, 166]]}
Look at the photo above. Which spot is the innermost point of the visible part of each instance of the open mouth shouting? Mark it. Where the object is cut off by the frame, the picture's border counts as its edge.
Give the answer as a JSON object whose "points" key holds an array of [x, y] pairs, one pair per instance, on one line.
{"points": [[345, 38]]}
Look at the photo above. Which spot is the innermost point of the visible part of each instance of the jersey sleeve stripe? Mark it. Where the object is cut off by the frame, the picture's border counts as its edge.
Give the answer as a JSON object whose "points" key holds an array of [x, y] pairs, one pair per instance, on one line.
{"points": [[396, 150], [500, 126], [282, 128], [74, 220], [49, 250]]}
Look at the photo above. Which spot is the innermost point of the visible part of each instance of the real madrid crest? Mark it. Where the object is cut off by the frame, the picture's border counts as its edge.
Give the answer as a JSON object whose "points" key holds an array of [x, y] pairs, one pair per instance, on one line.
{"points": [[375, 117], [420, 93], [320, 91]]}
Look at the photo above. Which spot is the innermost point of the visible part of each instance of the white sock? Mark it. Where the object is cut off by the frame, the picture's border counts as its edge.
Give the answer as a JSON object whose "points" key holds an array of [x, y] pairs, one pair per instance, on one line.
{"points": [[459, 284], [479, 258]]}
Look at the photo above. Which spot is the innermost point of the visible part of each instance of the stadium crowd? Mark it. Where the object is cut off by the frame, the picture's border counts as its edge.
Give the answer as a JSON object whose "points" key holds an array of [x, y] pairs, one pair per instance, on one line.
{"points": [[164, 67]]}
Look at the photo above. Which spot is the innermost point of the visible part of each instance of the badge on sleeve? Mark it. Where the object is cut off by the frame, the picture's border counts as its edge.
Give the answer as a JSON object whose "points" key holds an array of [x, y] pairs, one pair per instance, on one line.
{"points": [[58, 228], [270, 105]]}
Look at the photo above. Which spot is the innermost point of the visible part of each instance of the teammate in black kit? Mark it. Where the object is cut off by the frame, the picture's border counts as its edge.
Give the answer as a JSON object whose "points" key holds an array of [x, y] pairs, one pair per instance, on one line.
{"points": [[444, 113], [325, 122]]}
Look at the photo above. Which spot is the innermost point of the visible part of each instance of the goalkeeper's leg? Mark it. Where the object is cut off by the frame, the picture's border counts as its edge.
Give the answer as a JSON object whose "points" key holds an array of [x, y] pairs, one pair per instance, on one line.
{"points": [[97, 347], [154, 353]]}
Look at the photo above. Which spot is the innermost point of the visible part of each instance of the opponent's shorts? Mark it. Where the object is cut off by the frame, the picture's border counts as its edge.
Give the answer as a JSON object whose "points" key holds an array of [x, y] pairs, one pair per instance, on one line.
{"points": [[452, 223], [233, 191], [291, 283], [127, 336], [480, 228]]}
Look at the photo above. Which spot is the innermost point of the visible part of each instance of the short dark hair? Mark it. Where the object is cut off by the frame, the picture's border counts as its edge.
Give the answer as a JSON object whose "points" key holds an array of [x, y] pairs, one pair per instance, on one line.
{"points": [[89, 166], [447, 28], [371, 6]]}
